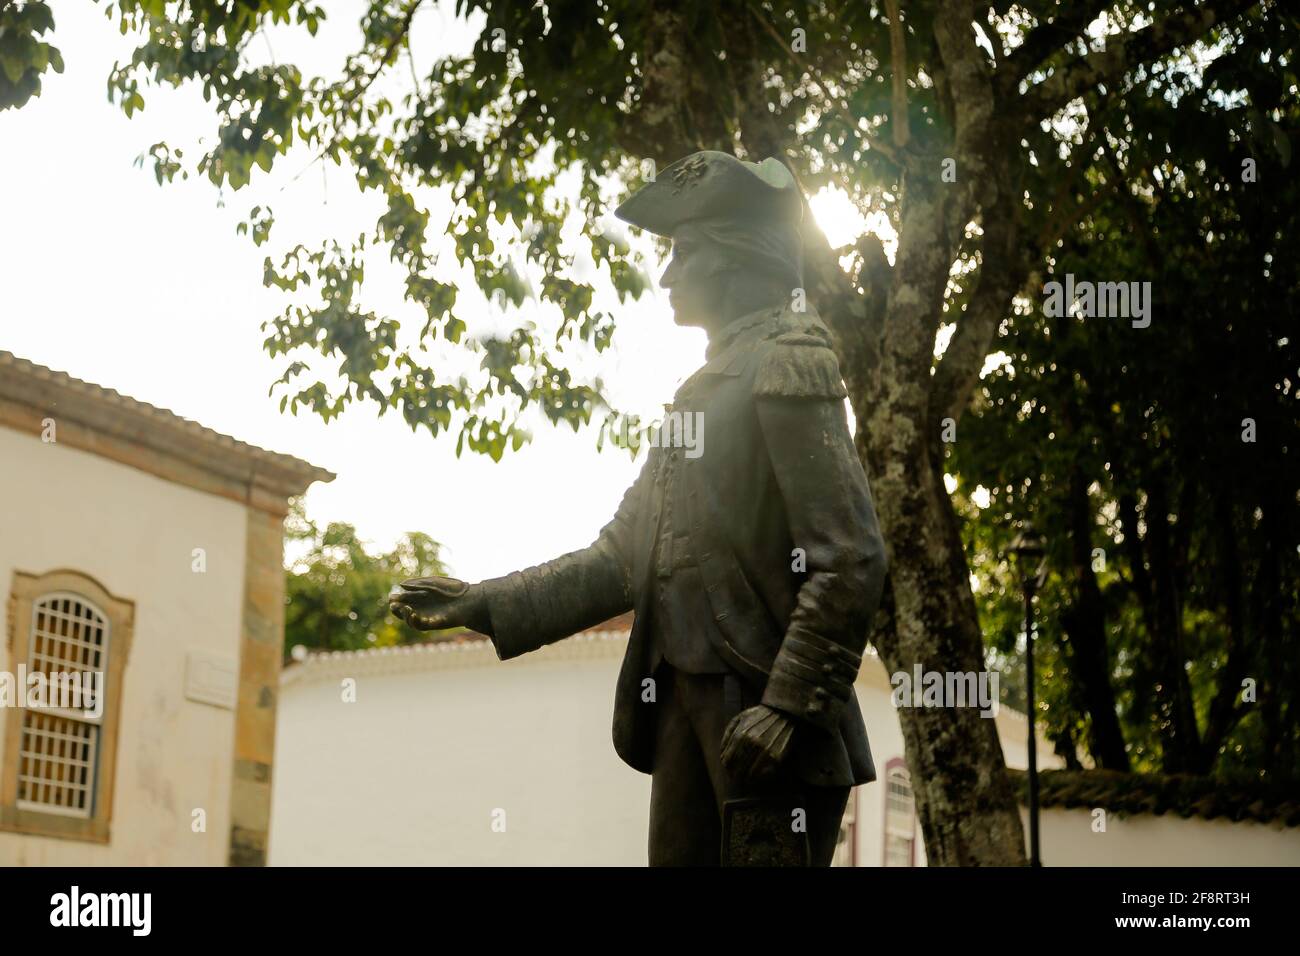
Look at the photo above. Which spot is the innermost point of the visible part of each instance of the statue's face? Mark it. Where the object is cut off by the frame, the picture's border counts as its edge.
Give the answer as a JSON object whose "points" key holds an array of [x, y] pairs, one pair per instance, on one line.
{"points": [[694, 277]]}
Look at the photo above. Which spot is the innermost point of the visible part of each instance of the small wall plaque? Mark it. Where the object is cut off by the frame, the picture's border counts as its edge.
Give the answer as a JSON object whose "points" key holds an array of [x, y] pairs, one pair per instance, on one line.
{"points": [[211, 679]]}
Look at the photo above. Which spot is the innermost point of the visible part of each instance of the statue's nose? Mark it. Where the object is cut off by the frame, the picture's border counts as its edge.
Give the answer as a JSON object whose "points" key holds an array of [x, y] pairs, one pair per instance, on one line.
{"points": [[670, 275]]}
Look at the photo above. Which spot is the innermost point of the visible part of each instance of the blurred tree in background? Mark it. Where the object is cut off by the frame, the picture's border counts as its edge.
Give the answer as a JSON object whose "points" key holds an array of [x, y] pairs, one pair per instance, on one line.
{"points": [[1160, 462], [336, 591]]}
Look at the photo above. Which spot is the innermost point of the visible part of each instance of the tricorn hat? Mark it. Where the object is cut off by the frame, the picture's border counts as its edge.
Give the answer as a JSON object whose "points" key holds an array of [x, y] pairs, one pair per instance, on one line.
{"points": [[714, 185]]}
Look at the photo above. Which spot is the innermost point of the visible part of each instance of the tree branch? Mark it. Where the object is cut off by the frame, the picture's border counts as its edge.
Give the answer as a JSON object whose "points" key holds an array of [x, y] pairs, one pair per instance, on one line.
{"points": [[1049, 38], [1003, 270], [898, 66], [841, 108], [390, 50], [1125, 51], [854, 318], [970, 85]]}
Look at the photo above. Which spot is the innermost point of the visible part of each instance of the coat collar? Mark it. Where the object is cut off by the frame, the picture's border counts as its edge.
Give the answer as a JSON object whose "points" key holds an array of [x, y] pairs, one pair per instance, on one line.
{"points": [[723, 339], [729, 350]]}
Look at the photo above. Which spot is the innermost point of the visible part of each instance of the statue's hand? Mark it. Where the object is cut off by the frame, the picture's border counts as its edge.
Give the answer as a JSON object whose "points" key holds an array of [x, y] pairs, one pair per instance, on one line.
{"points": [[756, 742], [432, 604]]}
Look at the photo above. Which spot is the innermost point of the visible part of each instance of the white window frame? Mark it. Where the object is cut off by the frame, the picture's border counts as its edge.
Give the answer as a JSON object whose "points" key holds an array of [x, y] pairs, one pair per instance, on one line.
{"points": [[900, 817], [44, 603], [38, 818]]}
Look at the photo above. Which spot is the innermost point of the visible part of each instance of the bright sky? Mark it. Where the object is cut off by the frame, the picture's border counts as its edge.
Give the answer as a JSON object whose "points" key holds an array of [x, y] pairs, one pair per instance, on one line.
{"points": [[149, 291]]}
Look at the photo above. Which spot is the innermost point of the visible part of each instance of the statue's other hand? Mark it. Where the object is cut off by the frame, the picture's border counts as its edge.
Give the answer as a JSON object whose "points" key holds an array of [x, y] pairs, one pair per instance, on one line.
{"points": [[756, 742], [432, 604]]}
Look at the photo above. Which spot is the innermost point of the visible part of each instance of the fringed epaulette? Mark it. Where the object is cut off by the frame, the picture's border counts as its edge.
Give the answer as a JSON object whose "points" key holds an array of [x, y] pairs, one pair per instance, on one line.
{"points": [[796, 361]]}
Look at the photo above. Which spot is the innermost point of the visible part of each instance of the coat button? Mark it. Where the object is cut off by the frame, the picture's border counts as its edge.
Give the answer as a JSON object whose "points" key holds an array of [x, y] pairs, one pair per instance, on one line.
{"points": [[820, 693]]}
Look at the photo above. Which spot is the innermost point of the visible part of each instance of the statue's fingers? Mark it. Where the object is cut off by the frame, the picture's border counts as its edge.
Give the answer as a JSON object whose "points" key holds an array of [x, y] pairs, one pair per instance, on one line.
{"points": [[728, 735], [770, 734], [730, 752], [763, 766], [432, 621], [743, 755], [755, 768], [766, 761], [735, 765]]}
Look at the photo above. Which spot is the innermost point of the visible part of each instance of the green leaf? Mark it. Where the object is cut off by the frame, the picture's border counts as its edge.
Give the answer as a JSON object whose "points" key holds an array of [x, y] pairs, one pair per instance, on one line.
{"points": [[13, 68]]}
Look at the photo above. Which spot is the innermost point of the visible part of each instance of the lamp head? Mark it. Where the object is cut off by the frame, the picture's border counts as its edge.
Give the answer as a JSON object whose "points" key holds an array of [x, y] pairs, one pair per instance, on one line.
{"points": [[1028, 554]]}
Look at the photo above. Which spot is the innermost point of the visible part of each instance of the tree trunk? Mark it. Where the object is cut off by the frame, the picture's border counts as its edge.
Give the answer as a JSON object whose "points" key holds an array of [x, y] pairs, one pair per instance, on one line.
{"points": [[1224, 712], [965, 801], [1085, 621], [967, 808], [1182, 742]]}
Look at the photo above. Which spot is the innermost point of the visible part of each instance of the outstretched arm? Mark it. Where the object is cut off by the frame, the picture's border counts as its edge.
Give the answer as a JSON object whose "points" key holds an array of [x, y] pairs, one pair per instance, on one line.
{"points": [[540, 605]]}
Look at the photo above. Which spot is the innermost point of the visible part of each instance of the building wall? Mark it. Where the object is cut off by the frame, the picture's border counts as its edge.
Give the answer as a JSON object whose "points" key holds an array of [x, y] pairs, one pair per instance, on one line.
{"points": [[440, 737], [1067, 838], [416, 771], [135, 533]]}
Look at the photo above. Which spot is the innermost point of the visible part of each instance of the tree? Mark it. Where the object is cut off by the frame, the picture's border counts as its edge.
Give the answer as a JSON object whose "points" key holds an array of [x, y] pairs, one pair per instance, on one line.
{"points": [[24, 58], [336, 591], [1160, 460], [941, 116]]}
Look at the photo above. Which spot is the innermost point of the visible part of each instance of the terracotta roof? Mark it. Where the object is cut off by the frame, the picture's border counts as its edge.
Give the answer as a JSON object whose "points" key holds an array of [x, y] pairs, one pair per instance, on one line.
{"points": [[110, 421], [1156, 794]]}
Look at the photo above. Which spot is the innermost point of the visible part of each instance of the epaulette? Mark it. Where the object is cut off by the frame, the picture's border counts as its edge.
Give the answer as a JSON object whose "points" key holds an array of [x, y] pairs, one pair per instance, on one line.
{"points": [[797, 361]]}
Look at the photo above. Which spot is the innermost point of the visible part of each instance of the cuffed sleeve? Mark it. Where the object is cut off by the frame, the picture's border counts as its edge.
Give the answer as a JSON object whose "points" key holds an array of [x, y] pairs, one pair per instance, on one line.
{"points": [[833, 521], [812, 678]]}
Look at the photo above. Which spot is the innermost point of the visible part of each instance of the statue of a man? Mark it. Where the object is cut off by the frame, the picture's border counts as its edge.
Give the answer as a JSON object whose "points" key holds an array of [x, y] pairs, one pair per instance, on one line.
{"points": [[753, 561]]}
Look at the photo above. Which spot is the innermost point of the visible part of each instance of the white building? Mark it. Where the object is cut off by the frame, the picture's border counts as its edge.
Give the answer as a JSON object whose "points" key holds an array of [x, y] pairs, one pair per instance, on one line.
{"points": [[144, 547], [439, 753]]}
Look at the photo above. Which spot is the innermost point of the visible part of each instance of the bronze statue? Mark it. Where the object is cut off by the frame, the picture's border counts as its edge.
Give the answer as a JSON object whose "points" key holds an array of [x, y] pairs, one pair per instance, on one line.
{"points": [[754, 567]]}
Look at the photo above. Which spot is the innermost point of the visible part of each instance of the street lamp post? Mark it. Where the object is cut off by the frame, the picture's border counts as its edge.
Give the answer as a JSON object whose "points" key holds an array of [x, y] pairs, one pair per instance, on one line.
{"points": [[1030, 562]]}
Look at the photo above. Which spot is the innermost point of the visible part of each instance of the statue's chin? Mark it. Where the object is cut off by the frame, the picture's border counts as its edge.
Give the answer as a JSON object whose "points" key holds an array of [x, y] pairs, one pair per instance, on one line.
{"points": [[687, 318]]}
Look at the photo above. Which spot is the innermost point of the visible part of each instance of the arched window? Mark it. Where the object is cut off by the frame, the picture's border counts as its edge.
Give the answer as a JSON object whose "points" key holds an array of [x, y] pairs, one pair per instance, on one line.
{"points": [[59, 745], [71, 638], [846, 847], [900, 815]]}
